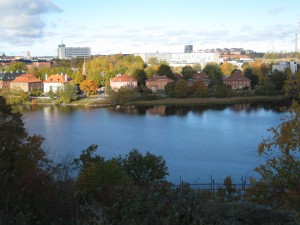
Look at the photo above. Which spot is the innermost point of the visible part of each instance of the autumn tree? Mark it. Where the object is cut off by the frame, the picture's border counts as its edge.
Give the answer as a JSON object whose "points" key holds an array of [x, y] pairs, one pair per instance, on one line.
{"points": [[89, 87], [281, 168], [198, 89], [227, 68]]}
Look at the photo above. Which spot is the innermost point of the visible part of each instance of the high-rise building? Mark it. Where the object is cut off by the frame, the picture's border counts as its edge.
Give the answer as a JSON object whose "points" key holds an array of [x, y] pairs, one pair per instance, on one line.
{"points": [[73, 52], [188, 48]]}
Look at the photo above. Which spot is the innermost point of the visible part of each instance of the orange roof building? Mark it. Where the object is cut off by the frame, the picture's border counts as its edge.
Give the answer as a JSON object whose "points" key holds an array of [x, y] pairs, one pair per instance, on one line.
{"points": [[55, 82], [123, 81], [27, 83]]}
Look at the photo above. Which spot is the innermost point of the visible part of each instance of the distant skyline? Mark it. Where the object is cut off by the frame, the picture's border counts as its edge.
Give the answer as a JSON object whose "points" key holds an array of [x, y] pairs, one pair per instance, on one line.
{"points": [[139, 26]]}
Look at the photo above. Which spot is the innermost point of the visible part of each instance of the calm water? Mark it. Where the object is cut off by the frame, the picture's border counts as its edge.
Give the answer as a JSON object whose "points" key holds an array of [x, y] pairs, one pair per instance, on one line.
{"points": [[197, 143]]}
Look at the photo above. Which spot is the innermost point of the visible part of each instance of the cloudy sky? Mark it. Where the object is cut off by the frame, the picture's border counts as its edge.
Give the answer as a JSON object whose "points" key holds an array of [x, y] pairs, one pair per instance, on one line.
{"points": [[135, 26]]}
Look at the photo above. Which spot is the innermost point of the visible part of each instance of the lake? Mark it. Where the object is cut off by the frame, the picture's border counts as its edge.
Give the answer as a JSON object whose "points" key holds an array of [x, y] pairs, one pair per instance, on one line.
{"points": [[197, 142]]}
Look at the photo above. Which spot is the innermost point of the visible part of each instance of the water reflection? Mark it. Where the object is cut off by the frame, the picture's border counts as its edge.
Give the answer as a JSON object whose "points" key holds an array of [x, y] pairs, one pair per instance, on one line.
{"points": [[185, 110]]}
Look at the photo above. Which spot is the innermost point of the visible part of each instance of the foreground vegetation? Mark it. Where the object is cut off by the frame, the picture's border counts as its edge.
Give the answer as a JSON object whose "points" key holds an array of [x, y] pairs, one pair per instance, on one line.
{"points": [[132, 189]]}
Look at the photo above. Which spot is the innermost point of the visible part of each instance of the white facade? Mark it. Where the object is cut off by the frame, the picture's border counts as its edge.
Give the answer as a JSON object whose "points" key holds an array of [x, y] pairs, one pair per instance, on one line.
{"points": [[73, 52], [55, 82], [182, 59], [283, 65], [123, 81]]}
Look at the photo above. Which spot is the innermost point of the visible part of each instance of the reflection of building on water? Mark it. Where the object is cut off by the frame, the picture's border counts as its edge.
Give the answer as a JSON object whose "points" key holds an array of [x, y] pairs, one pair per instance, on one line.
{"points": [[157, 110], [241, 106]]}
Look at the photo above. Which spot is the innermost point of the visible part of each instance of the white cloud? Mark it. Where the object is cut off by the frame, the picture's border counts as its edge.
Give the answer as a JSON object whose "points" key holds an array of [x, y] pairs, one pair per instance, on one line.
{"points": [[23, 21]]}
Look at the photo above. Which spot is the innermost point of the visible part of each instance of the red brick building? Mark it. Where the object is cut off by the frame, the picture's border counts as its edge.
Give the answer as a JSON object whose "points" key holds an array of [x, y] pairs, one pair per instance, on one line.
{"points": [[237, 81], [158, 83]]}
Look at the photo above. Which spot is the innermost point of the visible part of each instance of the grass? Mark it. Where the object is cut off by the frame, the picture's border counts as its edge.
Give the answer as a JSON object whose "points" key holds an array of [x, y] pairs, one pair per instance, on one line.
{"points": [[206, 101]]}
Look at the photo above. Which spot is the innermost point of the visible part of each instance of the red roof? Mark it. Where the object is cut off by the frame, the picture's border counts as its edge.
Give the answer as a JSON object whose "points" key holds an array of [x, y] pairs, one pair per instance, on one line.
{"points": [[237, 76], [123, 78], [26, 78], [158, 78], [200, 75], [56, 78]]}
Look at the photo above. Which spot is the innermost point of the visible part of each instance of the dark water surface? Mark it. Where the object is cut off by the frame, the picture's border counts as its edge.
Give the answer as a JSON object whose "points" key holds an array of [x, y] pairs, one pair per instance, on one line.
{"points": [[197, 142]]}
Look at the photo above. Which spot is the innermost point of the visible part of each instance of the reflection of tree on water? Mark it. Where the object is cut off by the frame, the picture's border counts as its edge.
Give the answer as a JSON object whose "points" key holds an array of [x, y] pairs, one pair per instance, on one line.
{"points": [[184, 110]]}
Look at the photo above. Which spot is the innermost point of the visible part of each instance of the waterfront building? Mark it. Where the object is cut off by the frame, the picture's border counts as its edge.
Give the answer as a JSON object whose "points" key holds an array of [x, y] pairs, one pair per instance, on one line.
{"points": [[27, 83], [124, 80], [158, 83], [55, 82], [237, 81]]}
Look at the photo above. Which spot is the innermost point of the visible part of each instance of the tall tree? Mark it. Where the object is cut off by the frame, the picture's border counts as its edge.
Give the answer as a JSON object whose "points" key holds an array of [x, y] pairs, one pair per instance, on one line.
{"points": [[181, 89], [165, 70], [253, 78], [140, 76], [89, 87], [227, 68], [213, 70], [281, 169], [144, 169], [187, 72], [20, 153]]}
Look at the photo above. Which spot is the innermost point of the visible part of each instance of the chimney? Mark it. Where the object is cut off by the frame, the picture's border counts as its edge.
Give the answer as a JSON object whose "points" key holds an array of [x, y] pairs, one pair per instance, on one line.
{"points": [[46, 76]]}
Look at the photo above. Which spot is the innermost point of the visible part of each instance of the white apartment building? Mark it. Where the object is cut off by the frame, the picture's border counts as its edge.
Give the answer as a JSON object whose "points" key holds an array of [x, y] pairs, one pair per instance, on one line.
{"points": [[281, 66], [182, 59], [73, 52]]}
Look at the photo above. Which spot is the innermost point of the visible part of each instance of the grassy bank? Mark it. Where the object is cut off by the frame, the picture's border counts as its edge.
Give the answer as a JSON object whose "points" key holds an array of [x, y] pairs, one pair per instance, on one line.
{"points": [[206, 101]]}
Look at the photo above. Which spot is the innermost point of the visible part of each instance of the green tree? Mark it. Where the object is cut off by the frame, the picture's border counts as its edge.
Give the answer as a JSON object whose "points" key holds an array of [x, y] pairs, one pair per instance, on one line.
{"points": [[20, 153], [68, 93], [169, 89], [187, 72], [253, 78], [181, 89], [219, 91], [213, 70], [144, 169], [124, 94], [197, 67], [140, 76], [278, 78], [153, 61], [165, 70], [281, 169], [16, 66], [96, 172]]}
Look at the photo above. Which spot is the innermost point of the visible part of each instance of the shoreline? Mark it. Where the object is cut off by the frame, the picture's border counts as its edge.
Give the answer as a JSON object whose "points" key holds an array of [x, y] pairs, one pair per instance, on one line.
{"points": [[206, 101]]}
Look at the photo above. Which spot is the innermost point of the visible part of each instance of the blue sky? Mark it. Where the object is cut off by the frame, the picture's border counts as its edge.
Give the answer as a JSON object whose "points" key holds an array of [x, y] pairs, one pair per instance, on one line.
{"points": [[132, 26]]}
